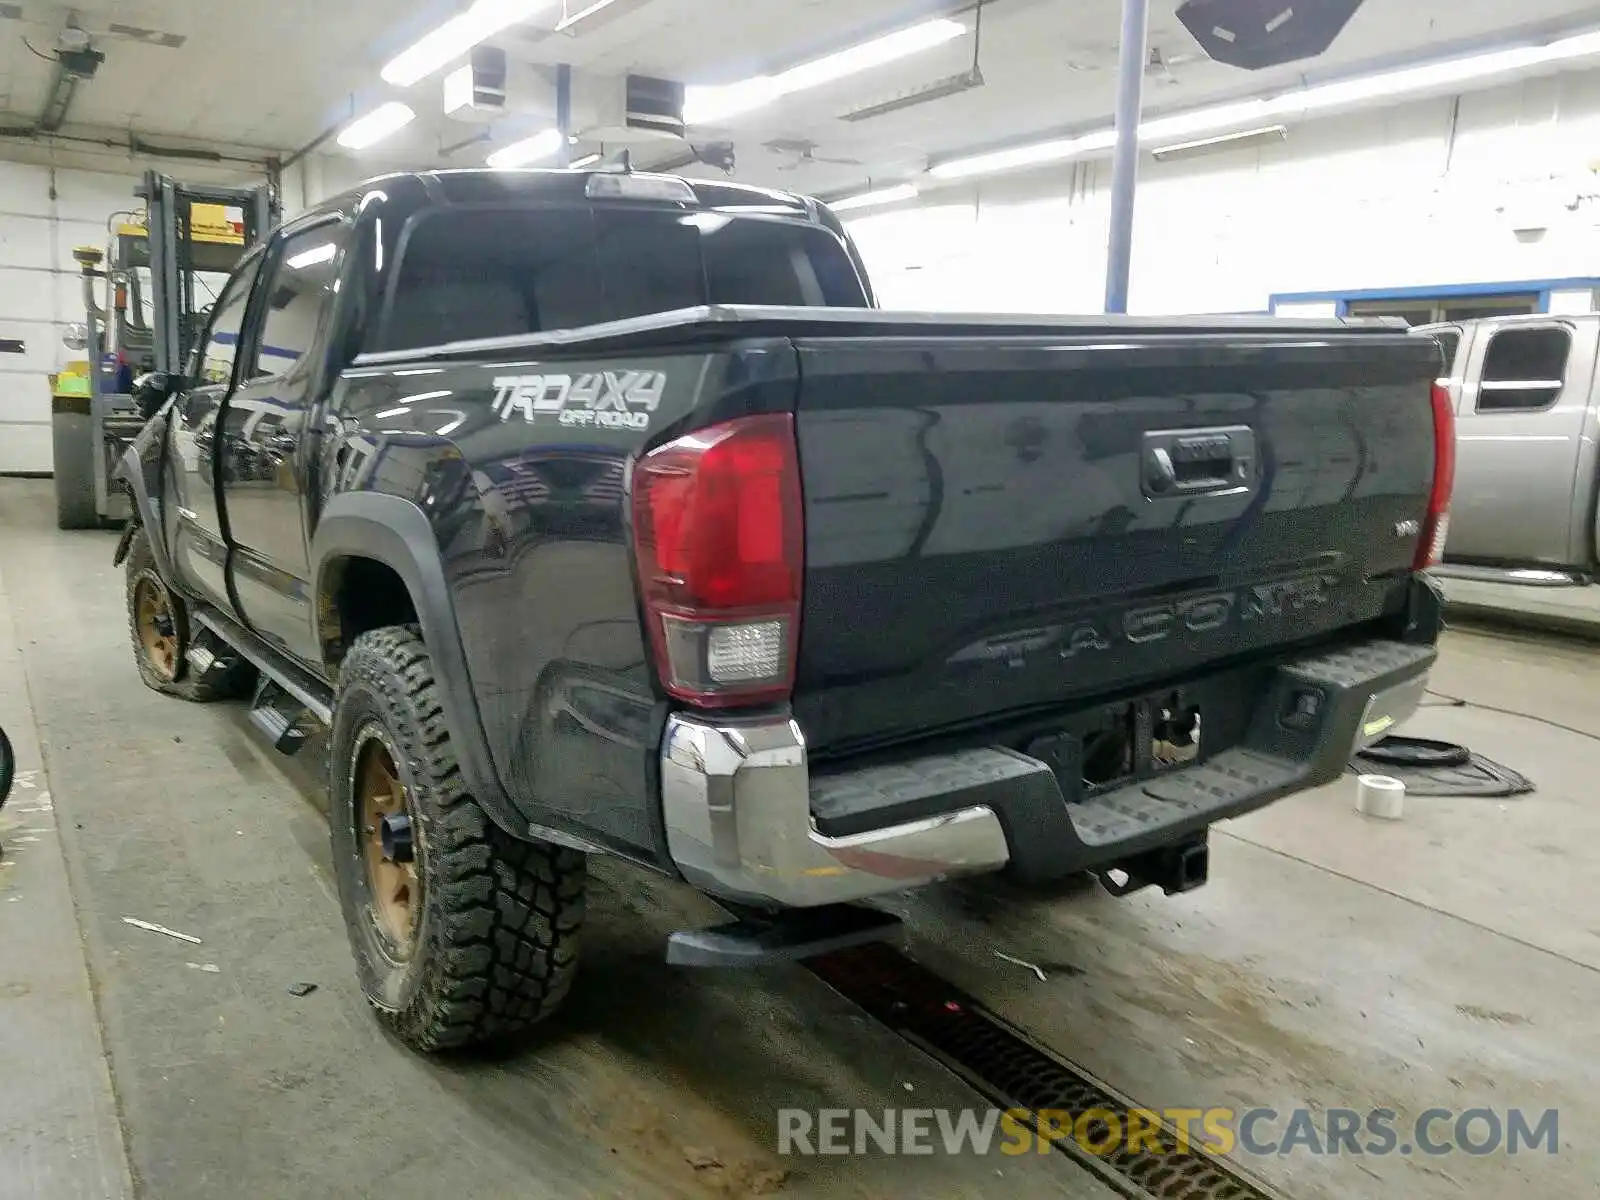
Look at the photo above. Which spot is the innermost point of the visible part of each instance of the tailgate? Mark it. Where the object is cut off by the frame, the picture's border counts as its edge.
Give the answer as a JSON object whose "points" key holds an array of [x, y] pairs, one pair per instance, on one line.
{"points": [[996, 525]]}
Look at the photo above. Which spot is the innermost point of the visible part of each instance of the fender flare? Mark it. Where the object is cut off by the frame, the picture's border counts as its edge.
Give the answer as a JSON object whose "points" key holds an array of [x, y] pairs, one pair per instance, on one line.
{"points": [[394, 531], [133, 471]]}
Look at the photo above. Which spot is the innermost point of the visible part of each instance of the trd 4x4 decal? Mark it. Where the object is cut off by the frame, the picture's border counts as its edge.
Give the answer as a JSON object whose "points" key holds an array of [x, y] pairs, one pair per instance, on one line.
{"points": [[603, 400]]}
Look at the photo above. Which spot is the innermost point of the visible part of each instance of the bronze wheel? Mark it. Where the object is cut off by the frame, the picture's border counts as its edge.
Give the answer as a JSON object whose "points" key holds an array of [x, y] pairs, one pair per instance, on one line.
{"points": [[160, 635], [493, 920], [156, 626], [388, 846]]}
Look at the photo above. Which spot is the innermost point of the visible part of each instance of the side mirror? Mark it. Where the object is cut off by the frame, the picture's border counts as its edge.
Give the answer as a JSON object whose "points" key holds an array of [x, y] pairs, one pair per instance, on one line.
{"points": [[152, 390]]}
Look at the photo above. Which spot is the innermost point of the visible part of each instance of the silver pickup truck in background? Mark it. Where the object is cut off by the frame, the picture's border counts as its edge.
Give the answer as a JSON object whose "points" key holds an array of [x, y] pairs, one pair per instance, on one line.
{"points": [[1526, 391]]}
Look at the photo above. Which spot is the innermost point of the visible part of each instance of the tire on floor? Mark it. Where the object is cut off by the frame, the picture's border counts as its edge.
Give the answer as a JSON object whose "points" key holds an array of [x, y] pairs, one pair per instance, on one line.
{"points": [[462, 934], [72, 444]]}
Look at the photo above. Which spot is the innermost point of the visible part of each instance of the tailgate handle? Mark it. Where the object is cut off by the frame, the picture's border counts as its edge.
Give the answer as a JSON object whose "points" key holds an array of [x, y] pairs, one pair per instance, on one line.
{"points": [[1188, 462]]}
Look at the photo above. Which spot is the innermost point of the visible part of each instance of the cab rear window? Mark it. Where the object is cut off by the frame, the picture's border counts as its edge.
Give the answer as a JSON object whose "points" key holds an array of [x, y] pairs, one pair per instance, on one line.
{"points": [[466, 273]]}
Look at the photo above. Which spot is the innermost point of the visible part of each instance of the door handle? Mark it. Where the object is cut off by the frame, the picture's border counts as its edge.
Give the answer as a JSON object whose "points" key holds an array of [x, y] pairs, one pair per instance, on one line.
{"points": [[1190, 462]]}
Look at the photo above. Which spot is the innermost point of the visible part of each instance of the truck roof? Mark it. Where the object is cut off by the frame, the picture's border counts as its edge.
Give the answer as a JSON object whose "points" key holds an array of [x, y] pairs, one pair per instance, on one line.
{"points": [[483, 184]]}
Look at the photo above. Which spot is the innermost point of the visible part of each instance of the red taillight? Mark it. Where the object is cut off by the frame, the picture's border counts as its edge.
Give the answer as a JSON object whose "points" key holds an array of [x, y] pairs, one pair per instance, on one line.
{"points": [[719, 534], [1436, 525]]}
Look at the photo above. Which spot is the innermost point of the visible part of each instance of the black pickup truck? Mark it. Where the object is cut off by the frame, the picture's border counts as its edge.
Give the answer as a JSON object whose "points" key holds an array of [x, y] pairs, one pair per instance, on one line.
{"points": [[604, 513]]}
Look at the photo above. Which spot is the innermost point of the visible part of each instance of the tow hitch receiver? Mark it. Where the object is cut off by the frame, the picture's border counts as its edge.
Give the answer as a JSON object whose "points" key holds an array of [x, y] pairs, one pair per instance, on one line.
{"points": [[1173, 869]]}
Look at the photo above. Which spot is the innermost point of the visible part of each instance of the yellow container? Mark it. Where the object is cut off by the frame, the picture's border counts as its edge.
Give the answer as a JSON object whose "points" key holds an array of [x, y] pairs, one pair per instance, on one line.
{"points": [[72, 380]]}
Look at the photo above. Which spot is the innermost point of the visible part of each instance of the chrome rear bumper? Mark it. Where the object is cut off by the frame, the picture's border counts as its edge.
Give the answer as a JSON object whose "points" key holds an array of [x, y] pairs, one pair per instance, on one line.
{"points": [[736, 798], [745, 814]]}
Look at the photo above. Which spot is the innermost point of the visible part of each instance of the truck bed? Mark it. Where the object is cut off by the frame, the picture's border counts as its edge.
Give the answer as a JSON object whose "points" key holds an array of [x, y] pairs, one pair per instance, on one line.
{"points": [[988, 551]]}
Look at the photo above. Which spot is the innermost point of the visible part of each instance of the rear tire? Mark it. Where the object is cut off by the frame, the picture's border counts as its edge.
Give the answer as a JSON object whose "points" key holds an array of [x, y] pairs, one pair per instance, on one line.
{"points": [[160, 629], [462, 934], [73, 468]]}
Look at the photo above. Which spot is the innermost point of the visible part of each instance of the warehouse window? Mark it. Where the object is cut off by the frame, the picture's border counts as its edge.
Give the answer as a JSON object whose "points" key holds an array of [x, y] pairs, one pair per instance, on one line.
{"points": [[1429, 310], [1523, 369]]}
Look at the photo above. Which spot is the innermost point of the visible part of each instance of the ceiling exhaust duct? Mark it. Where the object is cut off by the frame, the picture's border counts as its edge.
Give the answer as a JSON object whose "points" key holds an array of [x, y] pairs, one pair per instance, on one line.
{"points": [[637, 110], [477, 90], [654, 105]]}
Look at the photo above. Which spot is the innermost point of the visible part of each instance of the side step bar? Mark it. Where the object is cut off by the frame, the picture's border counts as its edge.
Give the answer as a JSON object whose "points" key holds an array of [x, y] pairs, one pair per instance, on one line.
{"points": [[210, 658], [315, 695], [279, 716], [758, 939]]}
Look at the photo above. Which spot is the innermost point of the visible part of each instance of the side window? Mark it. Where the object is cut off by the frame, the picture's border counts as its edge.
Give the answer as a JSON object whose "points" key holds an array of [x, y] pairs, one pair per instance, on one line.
{"points": [[298, 298], [1449, 341], [227, 322], [1523, 369]]}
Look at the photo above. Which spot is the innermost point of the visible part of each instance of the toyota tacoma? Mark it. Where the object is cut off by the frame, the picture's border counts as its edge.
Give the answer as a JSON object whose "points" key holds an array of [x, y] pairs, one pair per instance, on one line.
{"points": [[604, 513]]}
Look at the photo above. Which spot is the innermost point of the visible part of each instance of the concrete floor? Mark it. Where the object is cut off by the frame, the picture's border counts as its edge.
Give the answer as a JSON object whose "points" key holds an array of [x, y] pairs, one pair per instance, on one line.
{"points": [[1451, 960], [1571, 611]]}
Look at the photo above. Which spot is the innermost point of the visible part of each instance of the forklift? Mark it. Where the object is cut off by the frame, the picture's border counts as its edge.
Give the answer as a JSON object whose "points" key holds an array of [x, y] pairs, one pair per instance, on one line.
{"points": [[191, 239]]}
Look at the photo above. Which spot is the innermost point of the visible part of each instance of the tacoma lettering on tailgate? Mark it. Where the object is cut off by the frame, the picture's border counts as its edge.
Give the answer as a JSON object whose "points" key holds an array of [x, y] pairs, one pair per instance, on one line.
{"points": [[1153, 622]]}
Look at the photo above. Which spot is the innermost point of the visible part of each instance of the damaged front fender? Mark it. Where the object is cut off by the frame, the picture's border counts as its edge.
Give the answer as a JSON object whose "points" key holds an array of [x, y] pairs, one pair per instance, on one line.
{"points": [[123, 542], [139, 471]]}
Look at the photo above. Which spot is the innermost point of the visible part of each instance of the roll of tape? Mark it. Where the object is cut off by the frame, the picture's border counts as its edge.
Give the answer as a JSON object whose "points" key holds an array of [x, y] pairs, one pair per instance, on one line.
{"points": [[1380, 796]]}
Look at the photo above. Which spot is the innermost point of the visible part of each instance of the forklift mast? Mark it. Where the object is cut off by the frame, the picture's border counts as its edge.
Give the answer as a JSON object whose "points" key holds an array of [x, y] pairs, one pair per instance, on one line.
{"points": [[171, 225], [189, 231]]}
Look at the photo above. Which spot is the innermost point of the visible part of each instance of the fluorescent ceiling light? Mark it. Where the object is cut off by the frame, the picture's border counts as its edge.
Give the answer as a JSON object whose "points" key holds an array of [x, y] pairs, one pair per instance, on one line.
{"points": [[518, 154], [588, 160], [376, 125], [703, 105], [455, 37], [888, 195], [1205, 120], [1056, 150], [1387, 85], [706, 104], [1265, 133], [887, 49], [568, 21], [939, 89], [312, 257]]}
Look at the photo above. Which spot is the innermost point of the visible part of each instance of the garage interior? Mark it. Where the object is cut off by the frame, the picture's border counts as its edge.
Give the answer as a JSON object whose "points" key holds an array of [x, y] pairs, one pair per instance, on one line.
{"points": [[178, 1014]]}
